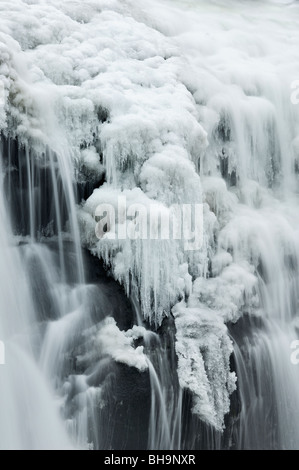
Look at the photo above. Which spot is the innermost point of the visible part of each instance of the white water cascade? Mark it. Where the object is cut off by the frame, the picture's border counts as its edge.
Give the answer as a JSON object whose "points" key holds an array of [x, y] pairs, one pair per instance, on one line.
{"points": [[134, 344], [29, 415]]}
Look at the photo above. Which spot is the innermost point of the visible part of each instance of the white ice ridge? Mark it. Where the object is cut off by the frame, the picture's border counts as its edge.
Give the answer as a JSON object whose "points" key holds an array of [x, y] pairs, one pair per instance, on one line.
{"points": [[204, 348], [177, 102], [107, 339]]}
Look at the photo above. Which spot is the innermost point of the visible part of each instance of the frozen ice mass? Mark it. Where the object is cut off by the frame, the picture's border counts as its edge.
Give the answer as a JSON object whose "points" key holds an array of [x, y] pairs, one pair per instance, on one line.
{"points": [[111, 343]]}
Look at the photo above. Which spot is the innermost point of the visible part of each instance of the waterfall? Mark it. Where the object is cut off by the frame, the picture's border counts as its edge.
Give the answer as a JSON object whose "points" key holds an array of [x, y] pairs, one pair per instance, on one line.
{"points": [[121, 343], [29, 414]]}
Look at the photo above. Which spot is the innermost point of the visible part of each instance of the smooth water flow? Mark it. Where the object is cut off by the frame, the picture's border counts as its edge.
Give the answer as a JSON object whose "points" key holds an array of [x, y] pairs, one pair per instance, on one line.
{"points": [[29, 415], [268, 380]]}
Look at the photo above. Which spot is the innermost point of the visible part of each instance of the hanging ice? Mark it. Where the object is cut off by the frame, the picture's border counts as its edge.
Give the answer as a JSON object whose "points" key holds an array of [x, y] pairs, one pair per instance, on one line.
{"points": [[174, 103]]}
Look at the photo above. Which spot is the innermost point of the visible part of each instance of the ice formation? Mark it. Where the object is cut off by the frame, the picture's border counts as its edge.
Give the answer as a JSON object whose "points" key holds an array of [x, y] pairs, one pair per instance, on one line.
{"points": [[172, 103], [109, 340]]}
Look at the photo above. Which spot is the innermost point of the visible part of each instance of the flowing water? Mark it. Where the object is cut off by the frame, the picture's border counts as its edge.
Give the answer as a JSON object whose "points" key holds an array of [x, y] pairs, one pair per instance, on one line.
{"points": [[29, 413], [83, 368]]}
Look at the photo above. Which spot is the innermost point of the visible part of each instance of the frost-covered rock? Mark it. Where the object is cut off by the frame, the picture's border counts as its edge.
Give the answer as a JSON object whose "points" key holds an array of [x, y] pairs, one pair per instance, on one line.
{"points": [[120, 344], [204, 348]]}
